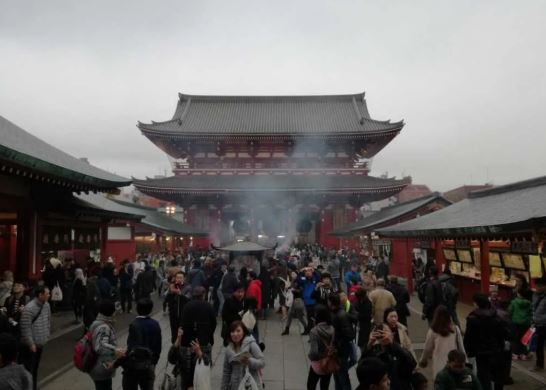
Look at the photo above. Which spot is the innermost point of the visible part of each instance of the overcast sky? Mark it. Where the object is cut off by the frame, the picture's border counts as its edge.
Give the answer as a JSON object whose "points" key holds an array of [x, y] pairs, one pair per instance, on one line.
{"points": [[468, 77]]}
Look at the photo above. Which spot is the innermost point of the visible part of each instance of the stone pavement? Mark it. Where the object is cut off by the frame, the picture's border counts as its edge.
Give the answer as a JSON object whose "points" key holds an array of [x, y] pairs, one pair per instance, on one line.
{"points": [[286, 358]]}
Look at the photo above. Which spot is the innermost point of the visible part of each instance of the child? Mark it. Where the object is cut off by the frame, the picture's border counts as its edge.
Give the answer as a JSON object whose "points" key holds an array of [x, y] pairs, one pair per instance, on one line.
{"points": [[297, 310]]}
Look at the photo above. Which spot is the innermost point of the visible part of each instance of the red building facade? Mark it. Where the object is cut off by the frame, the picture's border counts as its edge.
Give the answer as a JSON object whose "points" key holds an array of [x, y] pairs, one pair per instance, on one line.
{"points": [[277, 167]]}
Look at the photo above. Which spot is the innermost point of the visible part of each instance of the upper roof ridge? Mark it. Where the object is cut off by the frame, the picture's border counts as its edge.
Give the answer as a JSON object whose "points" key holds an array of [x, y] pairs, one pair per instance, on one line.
{"points": [[520, 185]]}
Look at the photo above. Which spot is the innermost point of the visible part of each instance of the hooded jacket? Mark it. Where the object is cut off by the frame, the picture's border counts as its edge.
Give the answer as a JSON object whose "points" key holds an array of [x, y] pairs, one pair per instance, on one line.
{"points": [[320, 336], [255, 290], [485, 333], [234, 371], [15, 377]]}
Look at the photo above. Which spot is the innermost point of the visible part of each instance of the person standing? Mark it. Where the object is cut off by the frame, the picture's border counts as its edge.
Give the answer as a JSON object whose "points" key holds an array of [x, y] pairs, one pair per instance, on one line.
{"points": [[307, 285], [344, 335], [14, 307], [363, 307], [433, 294], [399, 331], [539, 319], [521, 313], [402, 298], [176, 300], [484, 339], [104, 345], [196, 276], [12, 375], [195, 337], [143, 349], [242, 353], [145, 283], [229, 283], [455, 375], [233, 307], [381, 299], [320, 337], [334, 269], [35, 330], [78, 294]]}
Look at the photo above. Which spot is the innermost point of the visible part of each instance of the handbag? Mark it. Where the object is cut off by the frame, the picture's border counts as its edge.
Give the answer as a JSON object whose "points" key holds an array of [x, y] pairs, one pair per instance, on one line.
{"points": [[57, 293], [329, 364], [248, 382], [526, 338], [201, 376]]}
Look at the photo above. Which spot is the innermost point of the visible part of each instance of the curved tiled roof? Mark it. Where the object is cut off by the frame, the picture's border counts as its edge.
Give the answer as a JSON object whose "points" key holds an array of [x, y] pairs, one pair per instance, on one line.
{"points": [[390, 214], [257, 183], [23, 149], [271, 115], [488, 212]]}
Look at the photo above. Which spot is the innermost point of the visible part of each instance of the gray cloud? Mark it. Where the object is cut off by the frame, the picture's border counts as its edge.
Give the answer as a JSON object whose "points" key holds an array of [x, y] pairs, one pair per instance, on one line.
{"points": [[468, 77]]}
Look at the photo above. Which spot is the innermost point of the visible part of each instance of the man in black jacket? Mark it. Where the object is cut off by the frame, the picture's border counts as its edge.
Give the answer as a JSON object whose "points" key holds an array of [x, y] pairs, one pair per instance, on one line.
{"points": [[176, 300], [145, 283], [233, 307], [484, 339], [433, 295], [143, 349], [344, 335], [402, 299]]}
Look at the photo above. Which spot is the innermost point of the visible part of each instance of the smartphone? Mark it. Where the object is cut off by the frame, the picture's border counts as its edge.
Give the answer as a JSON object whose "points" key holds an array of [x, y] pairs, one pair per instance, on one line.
{"points": [[378, 328]]}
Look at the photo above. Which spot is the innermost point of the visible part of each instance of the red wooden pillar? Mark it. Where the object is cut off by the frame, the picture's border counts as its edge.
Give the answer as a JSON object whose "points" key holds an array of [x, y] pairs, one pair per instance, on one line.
{"points": [[439, 255], [408, 266], [485, 270]]}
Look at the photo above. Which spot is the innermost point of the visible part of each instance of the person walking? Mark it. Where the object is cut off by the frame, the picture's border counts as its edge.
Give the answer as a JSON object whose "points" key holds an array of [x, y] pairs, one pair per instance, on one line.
{"points": [[78, 294], [297, 311], [196, 276], [12, 375], [433, 294], [195, 337], [145, 283], [228, 284], [320, 337], [363, 307], [539, 319], [254, 290], [35, 330], [14, 305], [521, 313], [442, 337], [484, 339], [242, 353], [307, 284], [143, 349], [344, 335], [455, 375], [381, 299], [104, 340]]}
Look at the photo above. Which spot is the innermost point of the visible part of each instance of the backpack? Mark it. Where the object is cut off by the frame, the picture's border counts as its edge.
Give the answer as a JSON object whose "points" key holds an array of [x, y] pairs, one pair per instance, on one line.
{"points": [[85, 356], [422, 290], [448, 294]]}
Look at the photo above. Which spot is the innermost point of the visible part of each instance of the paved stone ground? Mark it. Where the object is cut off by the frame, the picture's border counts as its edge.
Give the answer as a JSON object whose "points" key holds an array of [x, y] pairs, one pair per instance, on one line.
{"points": [[286, 359]]}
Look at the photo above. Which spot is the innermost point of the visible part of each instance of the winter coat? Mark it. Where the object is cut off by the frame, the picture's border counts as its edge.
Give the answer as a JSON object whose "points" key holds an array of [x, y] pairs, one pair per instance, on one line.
{"points": [[539, 309], [78, 292], [485, 333], [381, 300], [102, 331], [176, 302], [229, 281], [437, 347], [319, 337], [254, 290], [402, 297], [364, 310], [35, 324], [400, 364], [145, 284], [307, 287], [234, 371], [15, 377], [404, 338], [521, 311], [344, 331], [145, 332], [231, 312], [196, 278], [198, 322]]}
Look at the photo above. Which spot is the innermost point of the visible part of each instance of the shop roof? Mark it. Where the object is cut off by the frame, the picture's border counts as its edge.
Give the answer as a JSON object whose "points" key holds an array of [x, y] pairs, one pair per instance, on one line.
{"points": [[512, 208], [389, 215], [278, 115], [150, 217], [269, 183], [24, 152]]}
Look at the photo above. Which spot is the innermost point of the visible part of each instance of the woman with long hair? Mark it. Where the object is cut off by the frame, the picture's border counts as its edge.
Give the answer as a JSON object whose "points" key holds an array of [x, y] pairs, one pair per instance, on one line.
{"points": [[242, 353], [442, 337]]}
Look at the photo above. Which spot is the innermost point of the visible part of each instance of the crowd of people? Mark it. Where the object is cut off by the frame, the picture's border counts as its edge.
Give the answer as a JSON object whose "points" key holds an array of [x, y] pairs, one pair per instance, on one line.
{"points": [[354, 313]]}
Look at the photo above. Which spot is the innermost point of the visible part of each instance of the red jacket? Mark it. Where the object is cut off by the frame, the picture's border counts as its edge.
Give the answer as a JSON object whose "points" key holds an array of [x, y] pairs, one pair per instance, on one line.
{"points": [[255, 290]]}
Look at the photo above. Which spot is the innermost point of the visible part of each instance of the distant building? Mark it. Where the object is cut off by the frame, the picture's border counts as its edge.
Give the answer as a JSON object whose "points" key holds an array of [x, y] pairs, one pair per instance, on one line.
{"points": [[457, 194], [413, 191]]}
